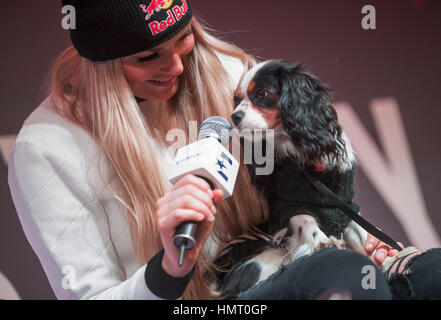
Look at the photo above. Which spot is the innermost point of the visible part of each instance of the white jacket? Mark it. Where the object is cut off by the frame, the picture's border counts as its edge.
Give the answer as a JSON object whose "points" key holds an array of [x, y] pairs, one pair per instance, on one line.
{"points": [[78, 231]]}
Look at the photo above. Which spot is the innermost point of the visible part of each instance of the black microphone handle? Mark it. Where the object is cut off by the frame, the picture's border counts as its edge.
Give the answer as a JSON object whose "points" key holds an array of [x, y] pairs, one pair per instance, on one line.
{"points": [[187, 233]]}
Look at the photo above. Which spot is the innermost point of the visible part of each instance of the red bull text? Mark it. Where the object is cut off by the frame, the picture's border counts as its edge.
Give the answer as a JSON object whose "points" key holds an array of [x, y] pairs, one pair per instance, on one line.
{"points": [[174, 14]]}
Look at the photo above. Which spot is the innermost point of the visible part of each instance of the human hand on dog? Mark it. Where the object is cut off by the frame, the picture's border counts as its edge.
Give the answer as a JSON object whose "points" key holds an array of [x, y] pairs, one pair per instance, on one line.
{"points": [[190, 199], [381, 249]]}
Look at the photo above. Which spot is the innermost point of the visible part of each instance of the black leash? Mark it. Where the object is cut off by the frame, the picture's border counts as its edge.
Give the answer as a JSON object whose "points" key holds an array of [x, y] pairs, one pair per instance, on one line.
{"points": [[351, 213]]}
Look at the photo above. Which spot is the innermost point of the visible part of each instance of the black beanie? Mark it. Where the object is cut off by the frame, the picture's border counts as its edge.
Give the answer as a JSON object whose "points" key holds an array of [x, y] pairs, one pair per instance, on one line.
{"points": [[110, 29]]}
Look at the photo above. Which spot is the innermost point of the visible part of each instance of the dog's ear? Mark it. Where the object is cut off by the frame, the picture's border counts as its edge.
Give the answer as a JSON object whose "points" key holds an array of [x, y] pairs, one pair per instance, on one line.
{"points": [[307, 114]]}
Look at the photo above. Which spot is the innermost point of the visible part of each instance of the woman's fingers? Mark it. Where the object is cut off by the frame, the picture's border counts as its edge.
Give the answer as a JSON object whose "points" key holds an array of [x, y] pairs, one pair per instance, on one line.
{"points": [[393, 252], [382, 252], [177, 217], [186, 201], [190, 199], [205, 197], [371, 244], [381, 249], [218, 196], [192, 179]]}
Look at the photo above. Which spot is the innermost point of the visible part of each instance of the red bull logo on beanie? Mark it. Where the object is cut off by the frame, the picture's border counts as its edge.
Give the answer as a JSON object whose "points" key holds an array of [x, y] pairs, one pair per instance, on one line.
{"points": [[155, 5], [173, 15]]}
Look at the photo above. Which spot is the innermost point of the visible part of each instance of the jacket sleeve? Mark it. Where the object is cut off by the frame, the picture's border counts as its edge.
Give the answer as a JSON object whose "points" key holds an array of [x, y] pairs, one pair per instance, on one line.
{"points": [[68, 228]]}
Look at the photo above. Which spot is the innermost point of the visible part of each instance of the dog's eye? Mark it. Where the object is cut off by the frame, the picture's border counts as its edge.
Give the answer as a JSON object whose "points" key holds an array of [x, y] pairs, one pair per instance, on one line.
{"points": [[261, 94]]}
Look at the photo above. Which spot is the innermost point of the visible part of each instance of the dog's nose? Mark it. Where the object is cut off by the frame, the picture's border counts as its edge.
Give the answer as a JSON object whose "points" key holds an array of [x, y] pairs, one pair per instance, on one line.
{"points": [[237, 117]]}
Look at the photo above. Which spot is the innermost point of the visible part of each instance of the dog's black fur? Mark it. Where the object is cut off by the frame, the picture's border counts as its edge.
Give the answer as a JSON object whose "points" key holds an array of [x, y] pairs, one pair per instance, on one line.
{"points": [[306, 111]]}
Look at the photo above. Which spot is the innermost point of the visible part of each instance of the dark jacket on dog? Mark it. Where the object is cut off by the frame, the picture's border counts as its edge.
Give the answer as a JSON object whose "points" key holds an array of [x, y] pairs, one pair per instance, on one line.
{"points": [[290, 193], [293, 194]]}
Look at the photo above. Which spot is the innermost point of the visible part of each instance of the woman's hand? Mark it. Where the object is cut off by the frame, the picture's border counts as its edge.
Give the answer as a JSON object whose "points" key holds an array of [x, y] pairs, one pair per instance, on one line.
{"points": [[190, 199], [383, 250]]}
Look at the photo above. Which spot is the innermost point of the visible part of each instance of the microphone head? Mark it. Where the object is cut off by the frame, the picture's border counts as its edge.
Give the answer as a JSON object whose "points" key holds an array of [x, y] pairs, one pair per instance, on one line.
{"points": [[216, 127]]}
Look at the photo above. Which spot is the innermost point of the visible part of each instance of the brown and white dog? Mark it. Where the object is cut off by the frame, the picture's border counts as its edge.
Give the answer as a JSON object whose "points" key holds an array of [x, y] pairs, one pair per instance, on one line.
{"points": [[307, 136]]}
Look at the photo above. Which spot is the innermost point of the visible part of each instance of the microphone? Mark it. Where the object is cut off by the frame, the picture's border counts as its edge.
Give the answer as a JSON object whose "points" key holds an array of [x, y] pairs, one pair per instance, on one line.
{"points": [[208, 159]]}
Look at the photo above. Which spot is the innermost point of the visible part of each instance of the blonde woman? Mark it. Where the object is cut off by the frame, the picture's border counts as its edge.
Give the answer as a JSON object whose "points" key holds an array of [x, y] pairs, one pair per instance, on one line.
{"points": [[88, 173]]}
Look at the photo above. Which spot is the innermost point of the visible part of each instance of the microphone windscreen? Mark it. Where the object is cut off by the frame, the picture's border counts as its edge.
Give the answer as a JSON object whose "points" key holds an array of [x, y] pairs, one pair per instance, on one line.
{"points": [[215, 127]]}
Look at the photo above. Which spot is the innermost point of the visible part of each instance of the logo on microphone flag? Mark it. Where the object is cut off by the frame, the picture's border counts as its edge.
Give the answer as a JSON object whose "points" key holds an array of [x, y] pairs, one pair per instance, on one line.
{"points": [[221, 164], [209, 159]]}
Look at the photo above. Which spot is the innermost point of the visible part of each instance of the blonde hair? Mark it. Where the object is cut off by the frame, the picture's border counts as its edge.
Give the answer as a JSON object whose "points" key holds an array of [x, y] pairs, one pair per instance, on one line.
{"points": [[97, 97]]}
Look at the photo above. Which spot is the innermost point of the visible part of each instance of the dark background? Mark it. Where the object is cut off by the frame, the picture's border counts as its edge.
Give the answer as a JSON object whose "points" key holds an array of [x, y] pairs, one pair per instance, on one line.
{"points": [[400, 59]]}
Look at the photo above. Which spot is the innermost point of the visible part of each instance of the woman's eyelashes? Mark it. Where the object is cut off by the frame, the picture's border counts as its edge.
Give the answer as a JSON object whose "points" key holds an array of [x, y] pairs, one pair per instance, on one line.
{"points": [[149, 57], [156, 54], [189, 32]]}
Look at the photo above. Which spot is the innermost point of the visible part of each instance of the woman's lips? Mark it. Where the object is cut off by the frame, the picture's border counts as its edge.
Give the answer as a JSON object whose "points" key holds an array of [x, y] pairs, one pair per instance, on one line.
{"points": [[164, 82]]}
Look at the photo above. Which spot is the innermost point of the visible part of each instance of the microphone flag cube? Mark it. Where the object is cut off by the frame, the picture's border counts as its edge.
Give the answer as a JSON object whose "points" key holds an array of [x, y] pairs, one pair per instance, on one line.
{"points": [[209, 159]]}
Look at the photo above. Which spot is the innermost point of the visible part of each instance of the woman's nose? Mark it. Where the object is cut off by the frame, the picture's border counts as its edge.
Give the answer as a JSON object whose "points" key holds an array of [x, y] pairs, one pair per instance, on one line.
{"points": [[173, 65]]}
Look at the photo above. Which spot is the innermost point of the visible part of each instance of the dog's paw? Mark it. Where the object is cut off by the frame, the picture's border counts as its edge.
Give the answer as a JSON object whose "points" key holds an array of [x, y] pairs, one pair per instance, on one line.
{"points": [[333, 242], [307, 237]]}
